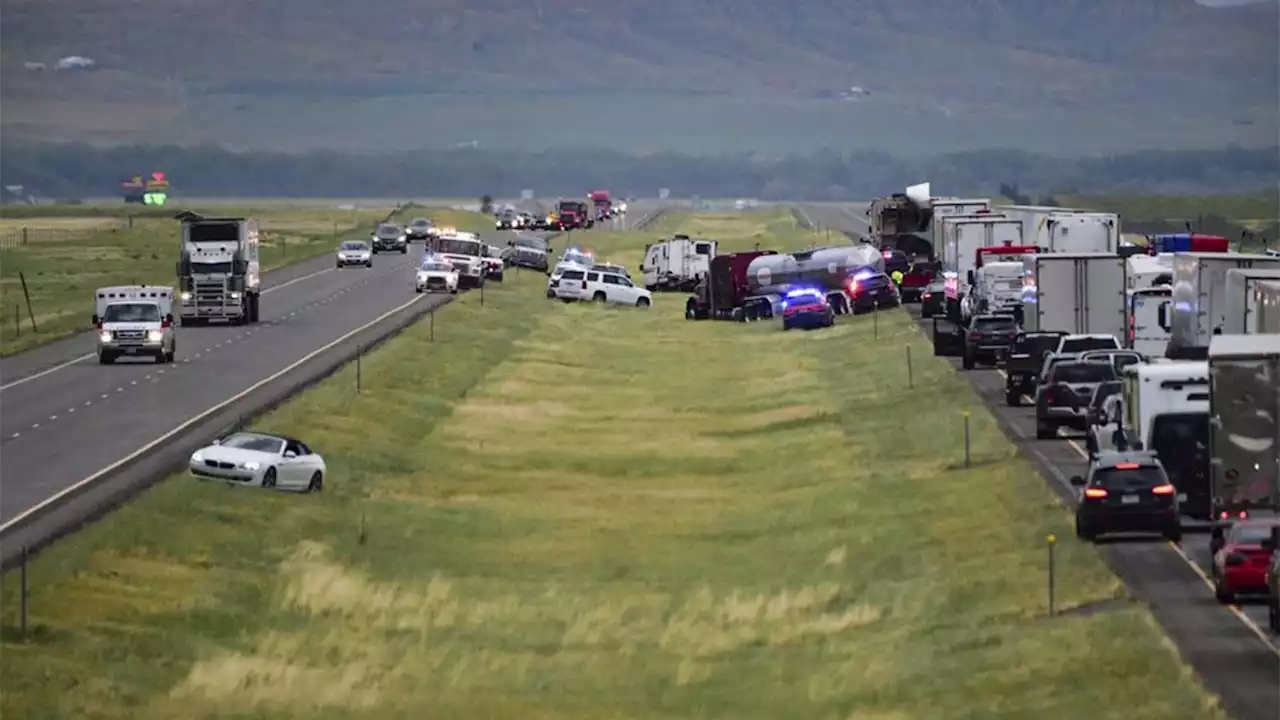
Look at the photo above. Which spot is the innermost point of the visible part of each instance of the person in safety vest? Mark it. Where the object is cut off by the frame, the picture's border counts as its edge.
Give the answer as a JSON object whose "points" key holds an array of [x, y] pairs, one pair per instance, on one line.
{"points": [[897, 277]]}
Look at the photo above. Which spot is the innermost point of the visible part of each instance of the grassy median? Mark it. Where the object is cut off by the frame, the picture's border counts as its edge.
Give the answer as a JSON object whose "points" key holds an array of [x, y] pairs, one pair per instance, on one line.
{"points": [[65, 258], [558, 511]]}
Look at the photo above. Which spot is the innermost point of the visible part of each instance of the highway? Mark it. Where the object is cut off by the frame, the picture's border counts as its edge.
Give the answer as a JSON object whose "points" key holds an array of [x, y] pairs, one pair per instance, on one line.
{"points": [[1228, 645], [66, 417]]}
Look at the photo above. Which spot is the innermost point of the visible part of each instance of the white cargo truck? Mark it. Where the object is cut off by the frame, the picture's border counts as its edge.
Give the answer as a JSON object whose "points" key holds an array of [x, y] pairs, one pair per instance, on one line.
{"points": [[943, 208], [1266, 299], [962, 237], [1200, 299], [134, 321], [1242, 309], [1150, 313], [1244, 425], [1150, 270], [1066, 229], [1075, 293], [676, 264]]}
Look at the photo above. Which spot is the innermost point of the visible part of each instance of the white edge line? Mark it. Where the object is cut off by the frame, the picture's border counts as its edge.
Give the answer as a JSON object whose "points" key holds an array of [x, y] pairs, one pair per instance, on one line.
{"points": [[87, 356], [1195, 567], [202, 416]]}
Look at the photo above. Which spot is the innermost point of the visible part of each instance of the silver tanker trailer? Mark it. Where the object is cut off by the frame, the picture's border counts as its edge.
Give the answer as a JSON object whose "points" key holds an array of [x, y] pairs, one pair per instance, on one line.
{"points": [[834, 270]]}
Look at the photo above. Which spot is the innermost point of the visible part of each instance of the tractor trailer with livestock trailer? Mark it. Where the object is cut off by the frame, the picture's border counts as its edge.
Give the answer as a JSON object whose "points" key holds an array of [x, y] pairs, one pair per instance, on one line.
{"points": [[219, 274]]}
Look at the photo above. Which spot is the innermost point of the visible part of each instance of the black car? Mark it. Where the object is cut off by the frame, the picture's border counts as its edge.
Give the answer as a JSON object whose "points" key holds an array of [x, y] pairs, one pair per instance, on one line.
{"points": [[1126, 493], [1064, 395], [389, 238], [873, 291], [933, 300], [1026, 358], [988, 339], [418, 229]]}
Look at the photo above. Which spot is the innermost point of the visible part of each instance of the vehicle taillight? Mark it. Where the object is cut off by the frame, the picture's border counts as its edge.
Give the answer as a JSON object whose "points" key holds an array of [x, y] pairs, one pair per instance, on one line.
{"points": [[584, 284], [1048, 395], [98, 326], [977, 334], [1095, 493], [1243, 514], [1165, 489], [1132, 329]]}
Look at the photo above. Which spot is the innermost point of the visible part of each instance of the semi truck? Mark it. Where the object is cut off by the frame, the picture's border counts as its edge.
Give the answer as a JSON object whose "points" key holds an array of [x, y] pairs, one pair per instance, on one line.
{"points": [[1066, 229], [962, 237], [1242, 308], [997, 278], [219, 275], [676, 264], [573, 215], [1244, 408], [603, 205], [1199, 299], [722, 291], [1076, 293], [902, 221], [850, 277]]}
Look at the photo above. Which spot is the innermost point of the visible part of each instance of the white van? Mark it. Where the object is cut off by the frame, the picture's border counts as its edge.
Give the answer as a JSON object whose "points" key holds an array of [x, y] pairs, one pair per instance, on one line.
{"points": [[1149, 319], [134, 321]]}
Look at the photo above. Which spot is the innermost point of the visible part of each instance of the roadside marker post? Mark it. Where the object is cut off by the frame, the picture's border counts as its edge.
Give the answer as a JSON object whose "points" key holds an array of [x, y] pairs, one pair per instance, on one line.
{"points": [[967, 446], [911, 382], [1052, 541]]}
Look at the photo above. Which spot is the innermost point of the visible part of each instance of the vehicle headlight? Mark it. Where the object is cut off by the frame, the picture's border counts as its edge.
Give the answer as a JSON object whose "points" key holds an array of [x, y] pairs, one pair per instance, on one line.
{"points": [[235, 296], [155, 336], [185, 296], [197, 457], [250, 466], [105, 336], [422, 277]]}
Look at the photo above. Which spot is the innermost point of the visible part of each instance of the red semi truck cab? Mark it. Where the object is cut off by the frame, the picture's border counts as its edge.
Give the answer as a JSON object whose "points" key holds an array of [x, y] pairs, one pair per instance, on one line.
{"points": [[724, 287], [1002, 253], [603, 205]]}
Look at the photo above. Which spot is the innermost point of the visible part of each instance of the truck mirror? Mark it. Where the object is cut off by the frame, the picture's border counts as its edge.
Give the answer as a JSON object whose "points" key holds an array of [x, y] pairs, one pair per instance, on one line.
{"points": [[971, 277], [95, 320], [1077, 481]]}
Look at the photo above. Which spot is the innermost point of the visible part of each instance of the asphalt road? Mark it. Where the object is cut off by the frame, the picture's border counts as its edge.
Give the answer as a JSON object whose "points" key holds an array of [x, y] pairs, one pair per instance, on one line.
{"points": [[66, 417], [1228, 646]]}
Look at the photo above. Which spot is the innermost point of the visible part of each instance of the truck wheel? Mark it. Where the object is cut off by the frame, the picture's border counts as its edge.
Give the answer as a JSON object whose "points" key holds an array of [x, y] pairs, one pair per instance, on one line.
{"points": [[1045, 431], [1012, 398], [1273, 615], [106, 358], [598, 297], [690, 310], [967, 360], [404, 250]]}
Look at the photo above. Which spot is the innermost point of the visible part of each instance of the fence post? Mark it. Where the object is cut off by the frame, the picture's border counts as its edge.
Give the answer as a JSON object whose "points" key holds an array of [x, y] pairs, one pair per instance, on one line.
{"points": [[24, 234], [30, 313], [358, 354], [966, 439], [17, 320], [911, 383], [1053, 540], [431, 337], [875, 320]]}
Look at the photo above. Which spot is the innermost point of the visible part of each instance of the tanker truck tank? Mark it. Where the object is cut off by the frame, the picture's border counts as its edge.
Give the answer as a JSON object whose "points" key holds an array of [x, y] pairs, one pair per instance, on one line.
{"points": [[825, 268]]}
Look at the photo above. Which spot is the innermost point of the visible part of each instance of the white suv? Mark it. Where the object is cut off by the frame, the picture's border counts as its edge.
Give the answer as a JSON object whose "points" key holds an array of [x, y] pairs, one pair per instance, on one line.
{"points": [[599, 286]]}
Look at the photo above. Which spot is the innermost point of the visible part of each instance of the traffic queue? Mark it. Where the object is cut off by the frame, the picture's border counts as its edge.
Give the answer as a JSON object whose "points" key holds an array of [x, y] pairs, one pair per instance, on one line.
{"points": [[1161, 356]]}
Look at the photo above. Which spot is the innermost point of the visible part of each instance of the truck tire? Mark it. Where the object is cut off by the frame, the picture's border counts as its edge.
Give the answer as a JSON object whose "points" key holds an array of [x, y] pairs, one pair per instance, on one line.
{"points": [[106, 358], [690, 310], [1044, 431], [598, 297], [1012, 398], [967, 360]]}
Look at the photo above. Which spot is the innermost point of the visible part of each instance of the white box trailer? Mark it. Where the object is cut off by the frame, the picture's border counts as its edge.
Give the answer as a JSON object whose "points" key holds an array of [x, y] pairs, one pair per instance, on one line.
{"points": [[1077, 293], [1266, 300], [962, 236], [1244, 430], [1242, 308], [943, 208], [1200, 299], [1066, 229]]}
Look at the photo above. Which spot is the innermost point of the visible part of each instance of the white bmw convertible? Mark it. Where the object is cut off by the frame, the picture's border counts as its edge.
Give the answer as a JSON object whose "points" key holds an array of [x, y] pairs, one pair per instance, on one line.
{"points": [[275, 462]]}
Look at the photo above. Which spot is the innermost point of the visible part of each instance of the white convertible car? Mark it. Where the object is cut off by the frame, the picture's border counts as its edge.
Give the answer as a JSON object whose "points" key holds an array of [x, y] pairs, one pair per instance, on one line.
{"points": [[436, 275], [269, 461]]}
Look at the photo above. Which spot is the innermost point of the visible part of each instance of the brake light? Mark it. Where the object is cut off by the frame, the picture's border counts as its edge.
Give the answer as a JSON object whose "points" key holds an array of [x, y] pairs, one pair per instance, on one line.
{"points": [[1244, 515], [1132, 330], [1127, 466], [98, 326], [1048, 395], [584, 284], [1165, 489], [1095, 493]]}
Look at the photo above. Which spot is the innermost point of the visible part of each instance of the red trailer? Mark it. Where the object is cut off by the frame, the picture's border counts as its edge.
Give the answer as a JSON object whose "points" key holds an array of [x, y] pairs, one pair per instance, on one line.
{"points": [[724, 288]]}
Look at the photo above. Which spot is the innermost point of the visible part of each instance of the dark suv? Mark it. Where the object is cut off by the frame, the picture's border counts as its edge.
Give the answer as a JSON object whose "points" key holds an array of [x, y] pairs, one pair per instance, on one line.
{"points": [[1026, 358], [1273, 581], [988, 339], [1126, 493], [1063, 397]]}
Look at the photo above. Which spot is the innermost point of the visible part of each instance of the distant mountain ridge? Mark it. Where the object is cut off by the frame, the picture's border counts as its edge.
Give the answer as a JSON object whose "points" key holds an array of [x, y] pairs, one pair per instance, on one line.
{"points": [[201, 64]]}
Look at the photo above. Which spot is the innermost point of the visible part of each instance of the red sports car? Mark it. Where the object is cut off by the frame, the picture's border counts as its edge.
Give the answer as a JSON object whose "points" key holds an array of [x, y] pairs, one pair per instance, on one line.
{"points": [[1240, 567]]}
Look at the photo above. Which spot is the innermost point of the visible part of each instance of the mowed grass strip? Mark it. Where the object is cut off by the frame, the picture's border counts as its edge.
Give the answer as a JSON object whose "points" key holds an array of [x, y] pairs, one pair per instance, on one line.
{"points": [[575, 511], [62, 275]]}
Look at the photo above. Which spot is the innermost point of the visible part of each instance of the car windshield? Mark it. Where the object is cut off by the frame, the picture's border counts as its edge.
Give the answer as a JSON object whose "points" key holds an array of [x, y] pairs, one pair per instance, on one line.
{"points": [[260, 443], [531, 242], [1089, 343], [992, 324], [436, 266], [1141, 478], [1083, 373], [421, 222], [1250, 533], [132, 312], [456, 246], [388, 231], [355, 246], [578, 258]]}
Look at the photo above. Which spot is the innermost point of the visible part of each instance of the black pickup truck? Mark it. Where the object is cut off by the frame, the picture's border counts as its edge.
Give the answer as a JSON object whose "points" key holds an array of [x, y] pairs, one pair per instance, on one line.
{"points": [[986, 339], [1026, 358]]}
